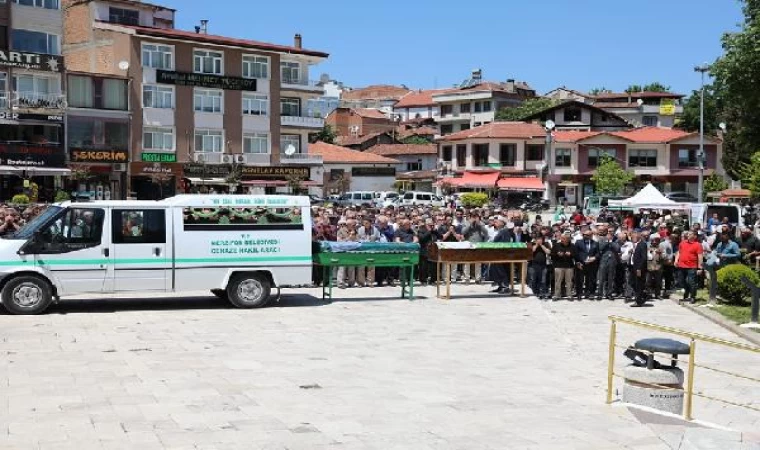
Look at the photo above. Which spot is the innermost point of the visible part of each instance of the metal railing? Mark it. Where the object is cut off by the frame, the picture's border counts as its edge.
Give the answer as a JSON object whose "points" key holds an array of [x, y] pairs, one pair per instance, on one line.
{"points": [[302, 121], [689, 393], [301, 158], [40, 100]]}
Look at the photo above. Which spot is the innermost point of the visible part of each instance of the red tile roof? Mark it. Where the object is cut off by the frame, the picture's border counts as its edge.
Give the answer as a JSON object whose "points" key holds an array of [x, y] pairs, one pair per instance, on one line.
{"points": [[651, 134], [419, 98], [645, 94], [335, 154], [499, 130], [370, 113], [356, 140], [376, 92], [573, 136], [222, 40], [421, 131], [404, 149]]}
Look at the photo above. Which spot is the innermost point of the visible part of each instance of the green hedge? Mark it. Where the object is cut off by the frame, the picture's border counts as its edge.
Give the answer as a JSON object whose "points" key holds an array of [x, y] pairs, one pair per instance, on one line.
{"points": [[474, 199], [20, 199], [730, 287]]}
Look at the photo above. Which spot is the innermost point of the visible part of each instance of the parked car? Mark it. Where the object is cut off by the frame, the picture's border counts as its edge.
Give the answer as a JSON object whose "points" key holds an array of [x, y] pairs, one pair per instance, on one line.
{"points": [[413, 198], [357, 198], [385, 199], [681, 197], [316, 200], [333, 198]]}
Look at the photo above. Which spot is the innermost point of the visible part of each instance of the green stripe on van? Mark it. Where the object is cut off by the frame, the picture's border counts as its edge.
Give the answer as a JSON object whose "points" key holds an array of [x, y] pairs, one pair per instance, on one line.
{"points": [[86, 262]]}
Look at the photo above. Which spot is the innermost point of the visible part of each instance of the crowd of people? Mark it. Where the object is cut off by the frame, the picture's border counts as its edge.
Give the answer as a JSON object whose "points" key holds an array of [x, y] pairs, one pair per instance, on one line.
{"points": [[12, 218], [612, 255]]}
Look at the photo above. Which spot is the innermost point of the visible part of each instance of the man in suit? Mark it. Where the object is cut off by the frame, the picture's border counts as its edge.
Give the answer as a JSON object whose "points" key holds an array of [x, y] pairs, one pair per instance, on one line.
{"points": [[587, 264], [639, 268], [499, 273]]}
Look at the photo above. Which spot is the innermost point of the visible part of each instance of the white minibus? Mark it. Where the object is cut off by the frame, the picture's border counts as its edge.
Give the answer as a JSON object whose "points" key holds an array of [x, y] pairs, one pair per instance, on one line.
{"points": [[237, 246]]}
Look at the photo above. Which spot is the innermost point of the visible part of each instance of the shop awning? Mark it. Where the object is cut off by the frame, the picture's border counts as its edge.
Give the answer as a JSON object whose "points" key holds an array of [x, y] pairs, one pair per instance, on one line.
{"points": [[209, 181], [484, 180], [521, 184], [34, 171]]}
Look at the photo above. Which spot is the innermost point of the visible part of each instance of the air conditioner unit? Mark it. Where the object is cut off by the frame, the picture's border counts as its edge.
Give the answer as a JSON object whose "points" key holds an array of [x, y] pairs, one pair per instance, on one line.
{"points": [[240, 159], [227, 159], [120, 167], [199, 157]]}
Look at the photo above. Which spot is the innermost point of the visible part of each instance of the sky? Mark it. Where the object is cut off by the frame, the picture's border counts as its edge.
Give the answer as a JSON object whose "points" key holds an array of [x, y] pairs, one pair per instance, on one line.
{"points": [[580, 44]]}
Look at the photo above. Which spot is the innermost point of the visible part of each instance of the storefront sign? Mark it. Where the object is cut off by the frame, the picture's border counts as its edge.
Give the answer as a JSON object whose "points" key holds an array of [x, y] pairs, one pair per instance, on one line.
{"points": [[274, 172], [146, 169], [206, 81], [31, 61], [8, 115], [32, 155], [373, 171], [206, 170], [99, 156], [159, 157], [667, 107]]}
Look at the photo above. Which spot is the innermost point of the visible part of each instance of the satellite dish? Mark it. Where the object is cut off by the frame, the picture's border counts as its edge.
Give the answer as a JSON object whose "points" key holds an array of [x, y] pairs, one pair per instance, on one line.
{"points": [[550, 125], [639, 102], [290, 149], [722, 126], [123, 65]]}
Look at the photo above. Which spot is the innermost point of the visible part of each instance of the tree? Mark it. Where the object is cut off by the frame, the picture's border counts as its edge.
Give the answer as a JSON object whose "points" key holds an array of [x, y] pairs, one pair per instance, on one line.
{"points": [[735, 76], [525, 109], [654, 86], [294, 183], [714, 183], [415, 140], [160, 179], [690, 119], [326, 134], [598, 90], [749, 174], [609, 177]]}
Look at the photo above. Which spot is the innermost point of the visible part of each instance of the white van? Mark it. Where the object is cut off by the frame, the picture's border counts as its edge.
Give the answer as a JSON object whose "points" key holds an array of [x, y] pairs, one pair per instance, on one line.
{"points": [[385, 199], [414, 198], [237, 246], [357, 198]]}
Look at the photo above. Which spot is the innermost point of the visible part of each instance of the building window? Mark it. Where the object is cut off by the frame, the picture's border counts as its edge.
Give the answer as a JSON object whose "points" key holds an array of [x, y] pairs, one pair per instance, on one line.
{"points": [[256, 143], [158, 56], [446, 153], [688, 158], [447, 110], [562, 157], [287, 140], [97, 93], [123, 16], [3, 90], [155, 96], [90, 133], [464, 108], [650, 121], [207, 100], [534, 152], [209, 141], [255, 67], [447, 129], [290, 107], [478, 107], [461, 155], [413, 166], [594, 155], [487, 106], [290, 72], [3, 37], [38, 91], [158, 138], [464, 126], [114, 93], [35, 42], [206, 61], [642, 158], [572, 114], [507, 154], [480, 155], [255, 104], [47, 4], [80, 92]]}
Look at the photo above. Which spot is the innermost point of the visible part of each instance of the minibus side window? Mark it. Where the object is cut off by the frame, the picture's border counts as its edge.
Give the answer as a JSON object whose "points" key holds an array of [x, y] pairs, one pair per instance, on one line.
{"points": [[139, 226], [76, 229]]}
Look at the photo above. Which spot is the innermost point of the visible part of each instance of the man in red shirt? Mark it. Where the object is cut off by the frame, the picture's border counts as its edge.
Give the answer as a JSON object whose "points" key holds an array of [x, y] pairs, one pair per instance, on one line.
{"points": [[689, 262]]}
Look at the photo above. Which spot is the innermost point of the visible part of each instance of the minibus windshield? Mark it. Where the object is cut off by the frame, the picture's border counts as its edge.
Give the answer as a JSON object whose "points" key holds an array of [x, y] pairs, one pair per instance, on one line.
{"points": [[27, 231]]}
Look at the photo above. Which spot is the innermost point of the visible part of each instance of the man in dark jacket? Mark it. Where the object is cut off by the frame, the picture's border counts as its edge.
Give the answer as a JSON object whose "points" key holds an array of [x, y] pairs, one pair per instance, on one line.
{"points": [[587, 263], [609, 254], [563, 258], [639, 268], [499, 273]]}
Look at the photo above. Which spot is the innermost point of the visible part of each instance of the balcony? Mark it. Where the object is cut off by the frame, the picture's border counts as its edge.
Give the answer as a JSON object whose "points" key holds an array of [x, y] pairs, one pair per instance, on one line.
{"points": [[257, 159], [453, 117], [38, 100], [208, 157], [301, 158], [293, 84], [655, 109], [302, 122]]}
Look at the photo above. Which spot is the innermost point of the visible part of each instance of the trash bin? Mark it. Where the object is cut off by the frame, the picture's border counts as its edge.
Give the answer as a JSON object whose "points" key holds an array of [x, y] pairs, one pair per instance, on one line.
{"points": [[653, 384]]}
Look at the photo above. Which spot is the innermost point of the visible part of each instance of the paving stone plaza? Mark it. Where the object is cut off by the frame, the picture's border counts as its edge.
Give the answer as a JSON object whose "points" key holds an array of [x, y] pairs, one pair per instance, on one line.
{"points": [[368, 371]]}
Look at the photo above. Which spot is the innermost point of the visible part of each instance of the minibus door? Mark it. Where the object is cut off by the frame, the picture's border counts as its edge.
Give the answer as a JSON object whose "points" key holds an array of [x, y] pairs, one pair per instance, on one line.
{"points": [[140, 255]]}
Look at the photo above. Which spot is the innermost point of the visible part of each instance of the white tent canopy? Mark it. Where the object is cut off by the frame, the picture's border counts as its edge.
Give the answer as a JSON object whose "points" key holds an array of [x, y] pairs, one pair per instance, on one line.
{"points": [[649, 198]]}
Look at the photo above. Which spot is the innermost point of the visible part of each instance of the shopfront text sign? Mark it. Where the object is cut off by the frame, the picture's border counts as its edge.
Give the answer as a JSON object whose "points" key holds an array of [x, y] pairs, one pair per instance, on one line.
{"points": [[159, 157], [10, 115], [373, 171], [274, 172], [31, 155], [205, 80], [99, 156], [32, 61]]}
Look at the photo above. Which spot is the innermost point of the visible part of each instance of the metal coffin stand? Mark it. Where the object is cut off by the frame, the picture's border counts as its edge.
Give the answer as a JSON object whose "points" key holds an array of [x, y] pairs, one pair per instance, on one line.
{"points": [[405, 261]]}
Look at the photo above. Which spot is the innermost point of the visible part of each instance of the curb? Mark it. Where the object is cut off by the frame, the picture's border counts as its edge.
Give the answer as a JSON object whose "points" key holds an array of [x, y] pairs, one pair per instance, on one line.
{"points": [[718, 319]]}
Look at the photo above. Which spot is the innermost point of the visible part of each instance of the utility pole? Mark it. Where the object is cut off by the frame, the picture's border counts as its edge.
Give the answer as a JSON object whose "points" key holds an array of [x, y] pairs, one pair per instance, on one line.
{"points": [[701, 155]]}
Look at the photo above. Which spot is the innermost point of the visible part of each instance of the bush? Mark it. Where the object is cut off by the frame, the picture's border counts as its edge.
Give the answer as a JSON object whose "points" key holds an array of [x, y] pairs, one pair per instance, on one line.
{"points": [[730, 287], [62, 196], [474, 199], [20, 199]]}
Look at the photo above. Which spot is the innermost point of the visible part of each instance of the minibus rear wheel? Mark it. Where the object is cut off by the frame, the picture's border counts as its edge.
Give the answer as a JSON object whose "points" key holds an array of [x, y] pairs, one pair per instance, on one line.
{"points": [[27, 295], [249, 290]]}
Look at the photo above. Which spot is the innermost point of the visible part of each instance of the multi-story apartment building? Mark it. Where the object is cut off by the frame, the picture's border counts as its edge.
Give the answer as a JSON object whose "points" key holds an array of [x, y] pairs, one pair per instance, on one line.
{"points": [[418, 105], [509, 155], [31, 100], [475, 102], [379, 96], [202, 106], [356, 122]]}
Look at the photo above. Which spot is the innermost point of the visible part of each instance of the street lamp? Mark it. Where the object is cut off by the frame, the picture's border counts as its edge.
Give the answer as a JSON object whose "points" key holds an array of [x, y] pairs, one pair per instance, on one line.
{"points": [[549, 127], [701, 155]]}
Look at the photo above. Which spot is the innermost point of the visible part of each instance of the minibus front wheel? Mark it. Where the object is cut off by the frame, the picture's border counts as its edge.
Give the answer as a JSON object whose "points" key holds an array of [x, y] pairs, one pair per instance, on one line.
{"points": [[249, 290], [27, 295]]}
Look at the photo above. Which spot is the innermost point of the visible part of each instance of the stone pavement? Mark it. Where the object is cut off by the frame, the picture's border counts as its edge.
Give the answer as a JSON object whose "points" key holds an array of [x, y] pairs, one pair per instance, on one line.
{"points": [[368, 371]]}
